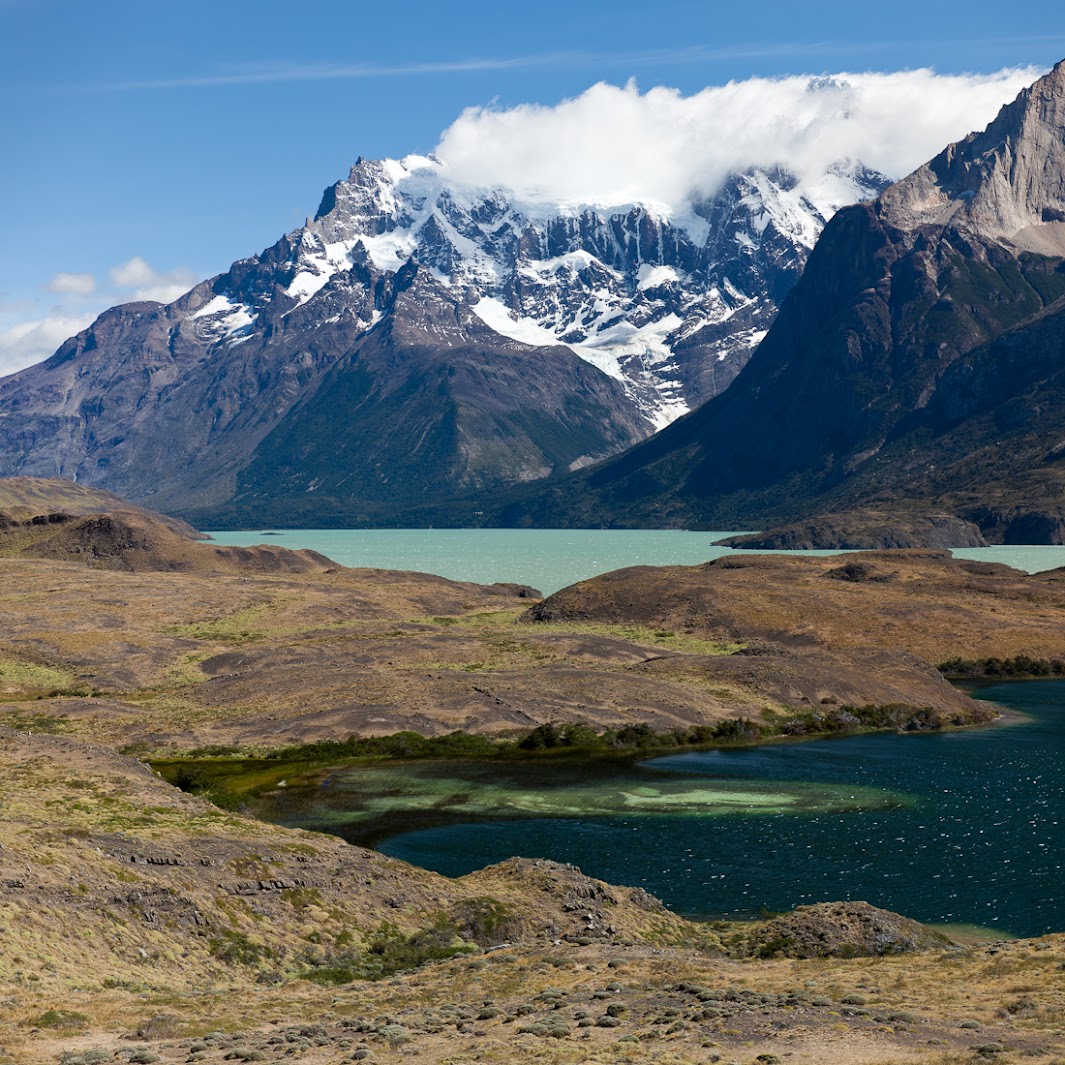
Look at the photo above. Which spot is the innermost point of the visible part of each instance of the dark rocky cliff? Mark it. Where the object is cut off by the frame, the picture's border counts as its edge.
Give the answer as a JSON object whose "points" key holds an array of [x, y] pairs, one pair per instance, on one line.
{"points": [[916, 366]]}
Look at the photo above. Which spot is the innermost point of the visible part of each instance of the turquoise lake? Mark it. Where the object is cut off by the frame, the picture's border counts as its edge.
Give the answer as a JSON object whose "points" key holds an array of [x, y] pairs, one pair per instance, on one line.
{"points": [[547, 559]]}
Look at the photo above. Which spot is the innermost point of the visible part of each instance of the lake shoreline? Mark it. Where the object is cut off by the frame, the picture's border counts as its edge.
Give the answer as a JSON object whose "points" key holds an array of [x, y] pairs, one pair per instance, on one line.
{"points": [[377, 832], [550, 559], [274, 764], [934, 788]]}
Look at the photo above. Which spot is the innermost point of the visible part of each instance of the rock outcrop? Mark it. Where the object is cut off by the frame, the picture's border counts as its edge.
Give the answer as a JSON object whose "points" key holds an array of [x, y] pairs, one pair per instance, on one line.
{"points": [[864, 531], [842, 930]]}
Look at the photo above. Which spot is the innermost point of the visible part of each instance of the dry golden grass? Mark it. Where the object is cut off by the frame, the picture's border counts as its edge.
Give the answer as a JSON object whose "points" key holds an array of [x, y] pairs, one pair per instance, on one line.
{"points": [[921, 602], [227, 659], [217, 918], [176, 661]]}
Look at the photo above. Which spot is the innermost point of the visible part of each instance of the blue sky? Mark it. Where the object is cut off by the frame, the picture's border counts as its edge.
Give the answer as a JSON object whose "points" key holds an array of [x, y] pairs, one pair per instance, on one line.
{"points": [[150, 144]]}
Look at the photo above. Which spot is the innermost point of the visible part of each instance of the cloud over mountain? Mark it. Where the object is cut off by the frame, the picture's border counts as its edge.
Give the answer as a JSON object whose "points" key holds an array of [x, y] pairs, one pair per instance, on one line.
{"points": [[31, 331], [612, 145]]}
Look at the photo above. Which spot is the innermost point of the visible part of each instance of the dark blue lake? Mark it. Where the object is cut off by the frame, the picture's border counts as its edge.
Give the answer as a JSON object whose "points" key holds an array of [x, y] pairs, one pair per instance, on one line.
{"points": [[971, 829]]}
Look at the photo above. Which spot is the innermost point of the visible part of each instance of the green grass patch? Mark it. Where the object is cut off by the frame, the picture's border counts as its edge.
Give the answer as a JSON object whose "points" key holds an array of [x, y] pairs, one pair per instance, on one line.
{"points": [[391, 951], [236, 948], [186, 671], [510, 620], [506, 641], [30, 678], [64, 1020], [239, 627], [27, 721], [684, 642]]}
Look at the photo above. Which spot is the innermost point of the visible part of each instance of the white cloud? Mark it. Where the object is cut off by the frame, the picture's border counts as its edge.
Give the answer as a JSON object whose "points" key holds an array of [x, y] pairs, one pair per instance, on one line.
{"points": [[73, 284], [132, 273], [148, 284], [614, 145], [26, 343]]}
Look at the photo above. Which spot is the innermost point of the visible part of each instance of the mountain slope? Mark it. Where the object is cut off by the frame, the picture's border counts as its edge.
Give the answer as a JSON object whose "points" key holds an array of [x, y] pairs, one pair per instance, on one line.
{"points": [[418, 340], [917, 362]]}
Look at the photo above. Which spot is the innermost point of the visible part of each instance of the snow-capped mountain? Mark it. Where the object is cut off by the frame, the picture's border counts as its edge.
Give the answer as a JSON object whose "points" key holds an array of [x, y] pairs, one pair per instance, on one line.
{"points": [[419, 339], [669, 306]]}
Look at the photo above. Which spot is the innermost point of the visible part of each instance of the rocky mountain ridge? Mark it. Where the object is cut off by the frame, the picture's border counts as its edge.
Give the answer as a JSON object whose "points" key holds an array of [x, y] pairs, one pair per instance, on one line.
{"points": [[417, 340], [644, 295], [915, 368]]}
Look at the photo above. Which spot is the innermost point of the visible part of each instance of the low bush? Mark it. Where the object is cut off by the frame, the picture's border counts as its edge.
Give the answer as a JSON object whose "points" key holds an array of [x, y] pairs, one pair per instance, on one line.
{"points": [[391, 951], [61, 1019], [1019, 666]]}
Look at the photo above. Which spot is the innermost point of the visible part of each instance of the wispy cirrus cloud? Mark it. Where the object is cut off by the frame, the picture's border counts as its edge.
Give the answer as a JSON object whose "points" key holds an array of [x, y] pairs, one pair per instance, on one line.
{"points": [[285, 71]]}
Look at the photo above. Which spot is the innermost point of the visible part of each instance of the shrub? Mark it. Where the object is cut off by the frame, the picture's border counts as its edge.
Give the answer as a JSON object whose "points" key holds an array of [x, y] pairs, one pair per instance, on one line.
{"points": [[551, 1027], [161, 1026], [737, 730], [396, 1034], [236, 948], [1018, 666], [61, 1019], [86, 1057], [486, 921], [390, 951]]}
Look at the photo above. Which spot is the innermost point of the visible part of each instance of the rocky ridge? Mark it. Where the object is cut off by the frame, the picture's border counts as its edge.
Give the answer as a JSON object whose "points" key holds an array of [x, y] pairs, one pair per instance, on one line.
{"points": [[864, 530], [417, 340], [669, 306], [915, 368]]}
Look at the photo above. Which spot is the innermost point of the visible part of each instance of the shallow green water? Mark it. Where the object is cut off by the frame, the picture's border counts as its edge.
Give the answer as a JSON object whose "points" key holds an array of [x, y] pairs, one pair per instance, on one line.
{"points": [[547, 559], [964, 828], [365, 802], [978, 839]]}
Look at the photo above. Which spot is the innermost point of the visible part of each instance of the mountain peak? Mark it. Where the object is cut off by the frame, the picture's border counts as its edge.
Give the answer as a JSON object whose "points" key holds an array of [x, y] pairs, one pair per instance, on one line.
{"points": [[508, 339], [1006, 183], [626, 286]]}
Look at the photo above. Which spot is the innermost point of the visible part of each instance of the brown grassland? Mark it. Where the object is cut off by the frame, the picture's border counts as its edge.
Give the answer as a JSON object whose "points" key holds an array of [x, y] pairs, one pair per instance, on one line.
{"points": [[138, 923]]}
